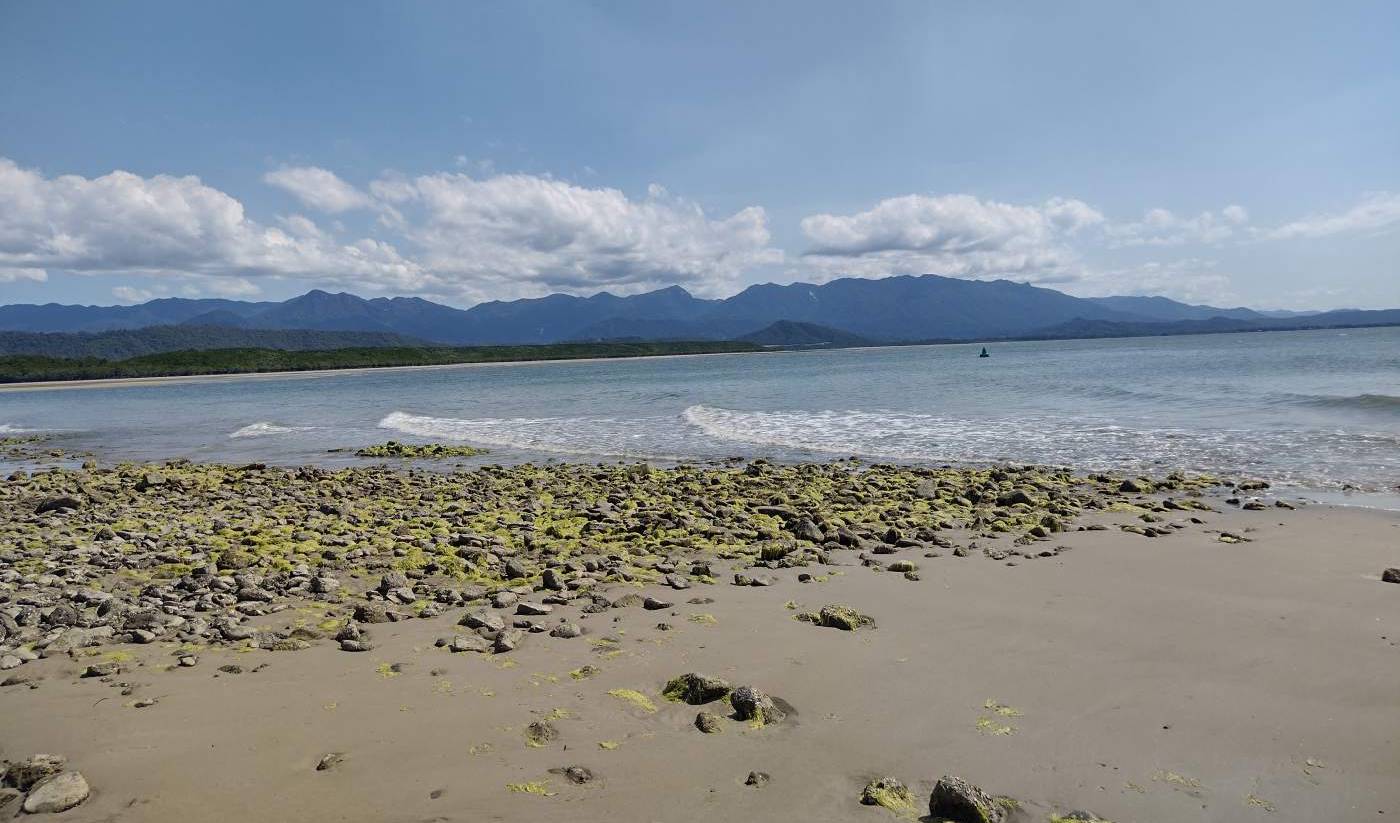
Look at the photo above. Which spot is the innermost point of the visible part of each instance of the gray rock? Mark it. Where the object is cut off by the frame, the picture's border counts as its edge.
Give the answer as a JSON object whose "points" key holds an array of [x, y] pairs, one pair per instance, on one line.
{"points": [[483, 620], [566, 630], [757, 779], [330, 761], [26, 773], [508, 640], [753, 704], [533, 609], [515, 569], [58, 793], [469, 643], [955, 799], [653, 604], [58, 504], [1391, 575], [709, 723]]}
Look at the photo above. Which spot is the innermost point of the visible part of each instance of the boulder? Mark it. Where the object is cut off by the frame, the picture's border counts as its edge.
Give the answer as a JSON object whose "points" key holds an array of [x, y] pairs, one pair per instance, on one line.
{"points": [[695, 689], [57, 793], [957, 800]]}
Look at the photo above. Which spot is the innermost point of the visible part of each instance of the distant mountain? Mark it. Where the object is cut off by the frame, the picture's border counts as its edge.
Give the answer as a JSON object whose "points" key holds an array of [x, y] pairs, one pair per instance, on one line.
{"points": [[124, 343], [792, 334], [1162, 308], [892, 310], [1080, 328]]}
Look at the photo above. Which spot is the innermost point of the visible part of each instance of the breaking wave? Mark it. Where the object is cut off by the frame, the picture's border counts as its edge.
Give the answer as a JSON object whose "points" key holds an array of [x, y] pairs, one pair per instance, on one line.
{"points": [[264, 428], [593, 436]]}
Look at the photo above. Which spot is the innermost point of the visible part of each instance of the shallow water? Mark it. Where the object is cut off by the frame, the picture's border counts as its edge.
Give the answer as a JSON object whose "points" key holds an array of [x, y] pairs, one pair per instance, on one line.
{"points": [[1319, 410]]}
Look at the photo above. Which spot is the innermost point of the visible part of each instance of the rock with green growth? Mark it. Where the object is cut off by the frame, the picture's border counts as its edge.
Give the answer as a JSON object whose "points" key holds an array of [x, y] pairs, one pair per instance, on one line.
{"points": [[418, 451], [889, 793], [695, 689], [709, 723], [836, 616], [754, 705], [955, 800]]}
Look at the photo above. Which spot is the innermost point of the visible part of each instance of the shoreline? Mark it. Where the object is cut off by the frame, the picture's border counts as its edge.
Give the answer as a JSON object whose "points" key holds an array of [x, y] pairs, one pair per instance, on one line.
{"points": [[385, 643], [141, 382]]}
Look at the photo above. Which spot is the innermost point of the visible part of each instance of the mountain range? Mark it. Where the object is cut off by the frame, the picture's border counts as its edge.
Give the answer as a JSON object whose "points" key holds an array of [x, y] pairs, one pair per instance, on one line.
{"points": [[900, 309]]}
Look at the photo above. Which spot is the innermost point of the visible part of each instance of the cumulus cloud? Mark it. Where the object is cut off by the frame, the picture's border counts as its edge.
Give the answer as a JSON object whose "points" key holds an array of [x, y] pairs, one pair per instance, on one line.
{"points": [[11, 275], [520, 234], [953, 234], [126, 224], [1378, 211], [1191, 279], [318, 189], [1161, 227]]}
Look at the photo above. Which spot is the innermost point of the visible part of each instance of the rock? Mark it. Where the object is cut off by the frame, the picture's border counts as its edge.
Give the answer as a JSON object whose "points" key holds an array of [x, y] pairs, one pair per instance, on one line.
{"points": [[578, 775], [321, 584], [890, 793], [189, 661], [709, 723], [836, 616], [533, 609], [955, 799], [752, 704], [469, 643], [371, 613], [1391, 575], [807, 530], [102, 669], [652, 604], [540, 732], [1129, 487], [552, 580], [504, 600], [1015, 497], [58, 504], [490, 621], [10, 799], [57, 793], [330, 761], [695, 689], [355, 645], [677, 581], [231, 668], [76, 638], [9, 661], [757, 779], [567, 630], [391, 581], [508, 640], [515, 569], [26, 773]]}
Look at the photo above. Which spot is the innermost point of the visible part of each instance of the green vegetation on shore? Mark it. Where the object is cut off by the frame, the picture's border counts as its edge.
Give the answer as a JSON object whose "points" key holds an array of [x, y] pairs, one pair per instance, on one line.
{"points": [[393, 448], [24, 368]]}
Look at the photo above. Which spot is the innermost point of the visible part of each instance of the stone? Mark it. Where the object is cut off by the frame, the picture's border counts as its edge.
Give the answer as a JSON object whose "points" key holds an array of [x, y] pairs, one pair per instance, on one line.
{"points": [[836, 616], [957, 800], [508, 640], [753, 704], [1130, 487], [469, 643], [57, 793], [515, 569], [102, 669], [533, 609], [1391, 575], [890, 793], [757, 779], [566, 630], [355, 646], [9, 661], [371, 613], [552, 580], [653, 604], [330, 761], [578, 775], [709, 723], [695, 689], [189, 661], [58, 504], [482, 619], [26, 773]]}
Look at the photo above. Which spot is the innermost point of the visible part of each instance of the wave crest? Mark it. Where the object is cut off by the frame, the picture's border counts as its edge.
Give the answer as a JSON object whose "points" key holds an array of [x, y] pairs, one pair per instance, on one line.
{"points": [[264, 428]]}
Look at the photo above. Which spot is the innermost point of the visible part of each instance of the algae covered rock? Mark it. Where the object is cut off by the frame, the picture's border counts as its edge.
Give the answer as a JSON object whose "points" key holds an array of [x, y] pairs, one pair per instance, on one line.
{"points": [[754, 705], [836, 616], [695, 689], [957, 801], [709, 723], [889, 793]]}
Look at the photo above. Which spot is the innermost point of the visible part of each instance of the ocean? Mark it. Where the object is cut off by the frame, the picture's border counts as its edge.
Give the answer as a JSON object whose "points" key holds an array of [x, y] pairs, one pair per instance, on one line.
{"points": [[1318, 411]]}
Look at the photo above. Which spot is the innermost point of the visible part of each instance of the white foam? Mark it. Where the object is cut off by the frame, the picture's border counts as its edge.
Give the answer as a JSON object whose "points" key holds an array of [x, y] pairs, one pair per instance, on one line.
{"points": [[264, 428], [594, 436], [7, 428]]}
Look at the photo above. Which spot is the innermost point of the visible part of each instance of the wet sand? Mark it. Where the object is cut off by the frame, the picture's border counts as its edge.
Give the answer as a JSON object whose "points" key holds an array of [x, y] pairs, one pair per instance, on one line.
{"points": [[1167, 679]]}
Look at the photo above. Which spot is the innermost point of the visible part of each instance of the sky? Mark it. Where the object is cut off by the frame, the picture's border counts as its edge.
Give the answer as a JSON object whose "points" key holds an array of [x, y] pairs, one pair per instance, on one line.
{"points": [[1232, 153]]}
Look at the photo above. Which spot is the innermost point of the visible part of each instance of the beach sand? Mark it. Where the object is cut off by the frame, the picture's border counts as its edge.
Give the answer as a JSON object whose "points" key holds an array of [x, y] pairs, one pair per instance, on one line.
{"points": [[1170, 679]]}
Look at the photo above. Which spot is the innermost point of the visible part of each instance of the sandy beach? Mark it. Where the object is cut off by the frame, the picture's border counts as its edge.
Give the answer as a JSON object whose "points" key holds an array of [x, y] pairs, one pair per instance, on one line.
{"points": [[1141, 678]]}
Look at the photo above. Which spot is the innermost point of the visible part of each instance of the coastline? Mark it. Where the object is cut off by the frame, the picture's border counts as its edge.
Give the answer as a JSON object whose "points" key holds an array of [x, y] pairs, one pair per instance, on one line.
{"points": [[137, 382], [1157, 654]]}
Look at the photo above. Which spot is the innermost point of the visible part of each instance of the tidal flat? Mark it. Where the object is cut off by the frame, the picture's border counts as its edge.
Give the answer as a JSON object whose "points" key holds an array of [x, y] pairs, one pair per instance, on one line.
{"points": [[729, 640]]}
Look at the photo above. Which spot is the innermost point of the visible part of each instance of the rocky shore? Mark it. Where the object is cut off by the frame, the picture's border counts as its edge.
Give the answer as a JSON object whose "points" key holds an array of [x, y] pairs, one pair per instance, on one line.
{"points": [[661, 599]]}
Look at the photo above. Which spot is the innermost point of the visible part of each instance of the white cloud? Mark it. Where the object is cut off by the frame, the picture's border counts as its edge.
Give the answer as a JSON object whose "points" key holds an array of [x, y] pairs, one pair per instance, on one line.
{"points": [[954, 234], [132, 294], [1192, 280], [122, 223], [1160, 227], [518, 234], [318, 189], [11, 275], [1377, 211]]}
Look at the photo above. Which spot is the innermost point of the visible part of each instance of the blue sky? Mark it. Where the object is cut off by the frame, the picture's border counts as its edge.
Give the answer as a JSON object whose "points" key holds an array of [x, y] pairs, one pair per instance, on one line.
{"points": [[1239, 153]]}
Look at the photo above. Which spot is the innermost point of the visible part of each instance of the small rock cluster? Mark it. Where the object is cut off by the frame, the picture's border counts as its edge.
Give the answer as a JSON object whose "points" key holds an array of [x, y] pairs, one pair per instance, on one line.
{"points": [[42, 784]]}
